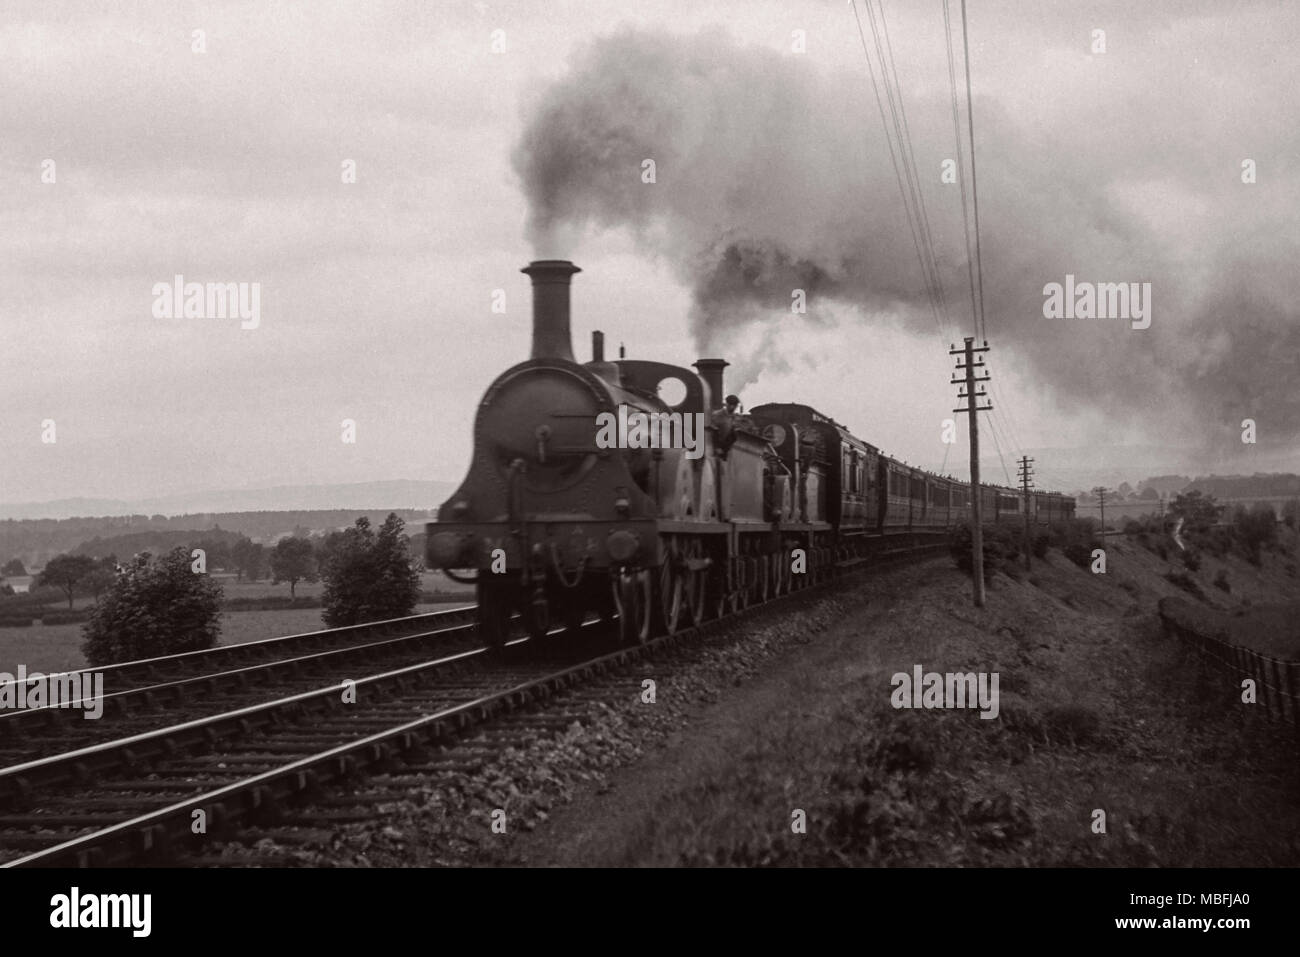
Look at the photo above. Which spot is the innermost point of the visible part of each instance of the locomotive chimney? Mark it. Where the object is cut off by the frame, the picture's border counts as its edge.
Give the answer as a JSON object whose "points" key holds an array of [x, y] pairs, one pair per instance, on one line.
{"points": [[597, 346], [710, 371], [551, 278]]}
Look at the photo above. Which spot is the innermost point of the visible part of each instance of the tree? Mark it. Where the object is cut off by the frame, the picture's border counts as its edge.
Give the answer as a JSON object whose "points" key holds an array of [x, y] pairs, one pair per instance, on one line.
{"points": [[216, 551], [65, 571], [1149, 494], [98, 580], [13, 568], [1257, 528], [155, 606], [1291, 511], [293, 560], [249, 559], [369, 576], [1197, 511]]}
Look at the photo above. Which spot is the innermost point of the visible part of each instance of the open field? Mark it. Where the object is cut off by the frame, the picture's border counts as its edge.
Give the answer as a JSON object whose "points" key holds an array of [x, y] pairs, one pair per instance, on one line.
{"points": [[58, 647], [429, 581]]}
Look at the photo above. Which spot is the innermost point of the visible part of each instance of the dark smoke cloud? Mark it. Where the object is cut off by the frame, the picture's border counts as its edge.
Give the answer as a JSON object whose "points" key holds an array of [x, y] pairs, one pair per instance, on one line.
{"points": [[772, 177]]}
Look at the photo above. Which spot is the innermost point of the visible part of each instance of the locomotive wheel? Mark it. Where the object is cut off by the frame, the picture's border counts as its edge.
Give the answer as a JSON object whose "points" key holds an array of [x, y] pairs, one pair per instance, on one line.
{"points": [[720, 599], [694, 584], [632, 597], [537, 617], [574, 616], [669, 592]]}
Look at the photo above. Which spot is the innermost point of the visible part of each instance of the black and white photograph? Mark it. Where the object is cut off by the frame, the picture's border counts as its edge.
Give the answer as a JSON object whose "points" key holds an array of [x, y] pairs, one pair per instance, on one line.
{"points": [[531, 438]]}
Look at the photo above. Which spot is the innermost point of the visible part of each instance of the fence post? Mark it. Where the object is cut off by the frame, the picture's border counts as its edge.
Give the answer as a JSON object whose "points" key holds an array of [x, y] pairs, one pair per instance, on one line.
{"points": [[1275, 680], [1261, 683], [1294, 692]]}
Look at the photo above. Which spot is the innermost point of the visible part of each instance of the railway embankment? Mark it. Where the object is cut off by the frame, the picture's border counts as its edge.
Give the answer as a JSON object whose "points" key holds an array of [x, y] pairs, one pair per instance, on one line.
{"points": [[784, 740]]}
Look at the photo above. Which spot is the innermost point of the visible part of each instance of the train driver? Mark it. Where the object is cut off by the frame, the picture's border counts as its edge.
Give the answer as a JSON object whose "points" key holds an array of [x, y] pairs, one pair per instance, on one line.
{"points": [[724, 421]]}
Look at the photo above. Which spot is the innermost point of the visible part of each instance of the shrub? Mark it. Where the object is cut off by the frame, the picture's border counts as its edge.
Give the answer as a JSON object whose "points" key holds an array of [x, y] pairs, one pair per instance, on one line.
{"points": [[1076, 539], [1186, 582], [16, 621], [1080, 553], [33, 600], [369, 576], [1217, 541], [1001, 548], [76, 616], [156, 606], [1042, 541], [1073, 723], [1256, 529], [1192, 559]]}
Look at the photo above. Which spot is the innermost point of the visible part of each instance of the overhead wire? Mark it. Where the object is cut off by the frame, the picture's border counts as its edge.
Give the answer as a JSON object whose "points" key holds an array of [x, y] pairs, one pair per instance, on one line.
{"points": [[908, 154], [907, 208], [961, 169], [1003, 425], [974, 181]]}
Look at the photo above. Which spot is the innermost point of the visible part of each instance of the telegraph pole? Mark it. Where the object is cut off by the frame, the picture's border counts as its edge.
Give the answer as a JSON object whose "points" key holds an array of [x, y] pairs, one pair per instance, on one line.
{"points": [[972, 397], [1026, 483], [1101, 500]]}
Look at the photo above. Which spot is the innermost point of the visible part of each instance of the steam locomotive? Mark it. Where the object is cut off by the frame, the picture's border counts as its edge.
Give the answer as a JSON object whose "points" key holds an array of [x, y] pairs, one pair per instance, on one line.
{"points": [[553, 524]]}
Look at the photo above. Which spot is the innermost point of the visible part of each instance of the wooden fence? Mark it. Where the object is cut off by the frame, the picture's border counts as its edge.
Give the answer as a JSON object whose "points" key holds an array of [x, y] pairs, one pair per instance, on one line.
{"points": [[1277, 681]]}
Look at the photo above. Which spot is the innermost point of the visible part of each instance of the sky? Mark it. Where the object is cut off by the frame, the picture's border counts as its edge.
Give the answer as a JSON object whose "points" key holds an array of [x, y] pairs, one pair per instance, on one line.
{"points": [[484, 135]]}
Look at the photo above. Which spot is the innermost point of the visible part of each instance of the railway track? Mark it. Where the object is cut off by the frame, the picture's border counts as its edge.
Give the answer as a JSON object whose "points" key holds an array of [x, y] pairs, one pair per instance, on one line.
{"points": [[140, 695], [162, 795]]}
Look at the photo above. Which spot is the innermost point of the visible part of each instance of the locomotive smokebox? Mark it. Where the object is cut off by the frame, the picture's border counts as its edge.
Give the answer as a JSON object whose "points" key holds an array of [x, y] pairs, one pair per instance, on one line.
{"points": [[551, 279]]}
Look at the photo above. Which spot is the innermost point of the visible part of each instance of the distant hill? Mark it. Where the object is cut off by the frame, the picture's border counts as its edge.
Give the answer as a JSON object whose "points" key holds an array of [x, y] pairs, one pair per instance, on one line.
{"points": [[1166, 484], [396, 494], [35, 541], [154, 542], [1282, 485]]}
